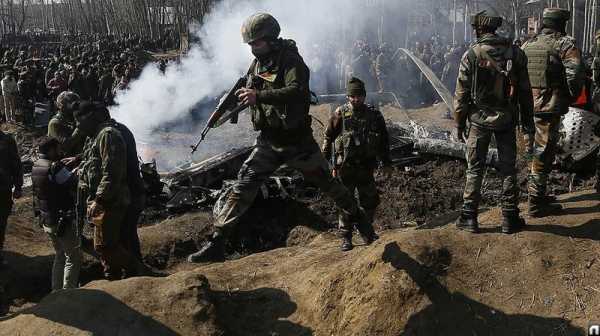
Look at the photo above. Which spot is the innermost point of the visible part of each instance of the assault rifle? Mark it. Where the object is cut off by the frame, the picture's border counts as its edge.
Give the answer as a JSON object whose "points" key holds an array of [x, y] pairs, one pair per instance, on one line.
{"points": [[228, 109]]}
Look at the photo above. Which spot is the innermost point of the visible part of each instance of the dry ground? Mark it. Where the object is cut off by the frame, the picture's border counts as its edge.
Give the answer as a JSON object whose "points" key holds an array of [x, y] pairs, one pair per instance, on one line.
{"points": [[414, 281]]}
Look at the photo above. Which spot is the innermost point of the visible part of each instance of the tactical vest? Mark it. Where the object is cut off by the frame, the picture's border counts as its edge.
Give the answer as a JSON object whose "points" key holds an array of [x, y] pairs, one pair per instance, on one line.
{"points": [[285, 118], [360, 138], [493, 85], [543, 62], [51, 201]]}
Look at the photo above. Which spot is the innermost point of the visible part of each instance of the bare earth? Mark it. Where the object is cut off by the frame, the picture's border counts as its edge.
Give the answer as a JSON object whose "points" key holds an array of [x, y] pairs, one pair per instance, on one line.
{"points": [[414, 281]]}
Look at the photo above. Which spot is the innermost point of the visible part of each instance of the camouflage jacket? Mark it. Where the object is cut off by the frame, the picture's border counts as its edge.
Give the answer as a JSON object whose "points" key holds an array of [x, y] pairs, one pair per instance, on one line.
{"points": [[493, 109], [103, 171], [11, 169], [283, 96], [596, 64], [70, 139], [557, 100], [357, 137]]}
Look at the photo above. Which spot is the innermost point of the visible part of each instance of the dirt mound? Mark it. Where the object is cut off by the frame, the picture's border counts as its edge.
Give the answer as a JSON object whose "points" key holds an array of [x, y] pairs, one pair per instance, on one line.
{"points": [[412, 282], [138, 306]]}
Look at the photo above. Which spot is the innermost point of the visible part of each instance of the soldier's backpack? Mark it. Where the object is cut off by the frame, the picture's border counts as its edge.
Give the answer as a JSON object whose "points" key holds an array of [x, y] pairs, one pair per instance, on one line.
{"points": [[543, 62], [493, 82]]}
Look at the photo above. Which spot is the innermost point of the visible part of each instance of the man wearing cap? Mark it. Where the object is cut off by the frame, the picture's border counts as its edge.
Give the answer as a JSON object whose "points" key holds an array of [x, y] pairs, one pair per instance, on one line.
{"points": [[557, 76], [53, 206], [103, 178], [9, 92], [279, 100], [492, 86], [355, 138], [62, 125]]}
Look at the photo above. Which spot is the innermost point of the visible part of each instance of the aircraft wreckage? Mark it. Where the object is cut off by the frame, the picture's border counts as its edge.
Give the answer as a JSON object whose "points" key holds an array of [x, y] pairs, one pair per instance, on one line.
{"points": [[206, 183]]}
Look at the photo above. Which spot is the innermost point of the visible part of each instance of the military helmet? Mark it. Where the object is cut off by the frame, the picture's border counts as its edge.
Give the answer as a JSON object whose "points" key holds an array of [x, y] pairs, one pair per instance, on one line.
{"points": [[558, 14], [483, 19], [260, 26], [66, 98]]}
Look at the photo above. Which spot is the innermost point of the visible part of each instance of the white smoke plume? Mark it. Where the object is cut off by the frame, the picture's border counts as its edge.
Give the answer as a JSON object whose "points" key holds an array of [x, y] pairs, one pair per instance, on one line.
{"points": [[212, 67]]}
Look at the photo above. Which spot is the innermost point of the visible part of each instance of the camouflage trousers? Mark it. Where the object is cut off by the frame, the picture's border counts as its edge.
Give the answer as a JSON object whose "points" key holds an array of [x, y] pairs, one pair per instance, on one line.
{"points": [[546, 145], [264, 160], [477, 149], [360, 181], [114, 257]]}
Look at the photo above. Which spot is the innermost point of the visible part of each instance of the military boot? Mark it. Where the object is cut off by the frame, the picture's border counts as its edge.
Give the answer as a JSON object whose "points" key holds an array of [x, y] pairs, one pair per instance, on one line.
{"points": [[211, 250], [365, 228], [467, 223], [347, 241], [512, 224], [538, 208]]}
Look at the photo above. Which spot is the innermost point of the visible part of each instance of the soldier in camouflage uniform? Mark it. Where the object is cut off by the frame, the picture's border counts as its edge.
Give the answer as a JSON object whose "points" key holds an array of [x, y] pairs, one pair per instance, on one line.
{"points": [[11, 181], [382, 68], [492, 86], [279, 101], [596, 101], [356, 136], [62, 125], [103, 178], [557, 76]]}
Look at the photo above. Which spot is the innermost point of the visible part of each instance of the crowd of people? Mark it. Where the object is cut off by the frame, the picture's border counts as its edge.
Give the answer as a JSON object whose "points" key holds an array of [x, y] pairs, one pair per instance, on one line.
{"points": [[96, 68], [385, 68], [88, 169]]}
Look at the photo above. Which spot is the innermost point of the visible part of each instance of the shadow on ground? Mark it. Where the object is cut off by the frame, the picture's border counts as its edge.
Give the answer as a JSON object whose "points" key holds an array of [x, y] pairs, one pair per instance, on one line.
{"points": [[257, 312], [118, 320], [456, 314]]}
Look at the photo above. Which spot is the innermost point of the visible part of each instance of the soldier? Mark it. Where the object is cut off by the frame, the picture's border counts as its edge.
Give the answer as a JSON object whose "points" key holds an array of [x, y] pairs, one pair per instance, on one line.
{"points": [[11, 181], [279, 100], [54, 205], [557, 75], [103, 178], [382, 68], [357, 134], [62, 125], [492, 81], [129, 234], [596, 101]]}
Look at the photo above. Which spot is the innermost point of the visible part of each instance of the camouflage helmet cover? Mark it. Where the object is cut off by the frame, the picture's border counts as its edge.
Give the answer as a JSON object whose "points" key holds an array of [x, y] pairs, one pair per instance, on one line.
{"points": [[260, 26], [559, 14], [483, 19], [66, 98]]}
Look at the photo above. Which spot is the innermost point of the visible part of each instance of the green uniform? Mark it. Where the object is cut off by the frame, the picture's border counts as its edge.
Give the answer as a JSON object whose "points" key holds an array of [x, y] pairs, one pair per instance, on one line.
{"points": [[358, 137], [596, 99], [382, 69], [103, 178], [557, 78], [492, 82], [281, 115], [11, 176], [64, 130]]}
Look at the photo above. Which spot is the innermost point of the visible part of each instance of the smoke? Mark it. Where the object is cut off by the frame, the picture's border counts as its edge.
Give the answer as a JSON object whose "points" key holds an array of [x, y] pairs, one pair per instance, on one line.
{"points": [[209, 69]]}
